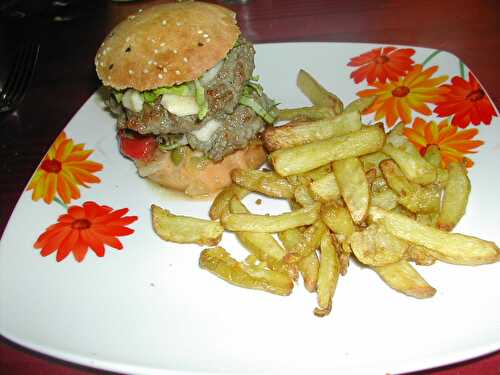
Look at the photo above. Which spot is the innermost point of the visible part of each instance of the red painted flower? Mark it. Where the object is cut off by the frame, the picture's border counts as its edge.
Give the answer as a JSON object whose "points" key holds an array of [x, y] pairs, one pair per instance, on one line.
{"points": [[467, 102], [89, 225], [386, 63]]}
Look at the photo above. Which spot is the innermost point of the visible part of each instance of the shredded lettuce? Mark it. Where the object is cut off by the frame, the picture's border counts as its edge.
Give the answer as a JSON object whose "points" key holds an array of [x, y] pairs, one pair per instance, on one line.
{"points": [[252, 103], [181, 90], [201, 100], [118, 95]]}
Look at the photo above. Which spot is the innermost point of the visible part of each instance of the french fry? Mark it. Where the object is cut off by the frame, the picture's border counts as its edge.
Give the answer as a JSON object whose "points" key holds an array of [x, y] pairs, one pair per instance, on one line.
{"points": [[305, 113], [416, 198], [270, 223], [433, 156], [375, 246], [414, 167], [316, 93], [302, 132], [373, 160], [262, 245], [307, 157], [221, 201], [353, 187], [329, 271], [267, 183], [325, 189], [360, 104], [455, 197], [338, 219], [420, 255], [183, 229], [303, 196], [218, 261], [385, 199], [402, 277], [448, 247], [310, 241], [309, 269]]}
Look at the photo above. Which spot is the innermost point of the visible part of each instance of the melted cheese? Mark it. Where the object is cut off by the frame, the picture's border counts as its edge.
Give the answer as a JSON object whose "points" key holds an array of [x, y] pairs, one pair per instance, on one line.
{"points": [[205, 133], [180, 105], [132, 100]]}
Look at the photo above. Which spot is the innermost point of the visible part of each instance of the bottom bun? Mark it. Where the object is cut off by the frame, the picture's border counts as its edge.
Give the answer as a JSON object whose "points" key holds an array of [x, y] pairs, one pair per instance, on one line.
{"points": [[196, 175]]}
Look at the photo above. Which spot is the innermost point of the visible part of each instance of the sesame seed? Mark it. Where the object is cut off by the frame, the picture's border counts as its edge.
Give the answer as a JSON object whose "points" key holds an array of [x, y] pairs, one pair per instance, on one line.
{"points": [[155, 63], [145, 71], [156, 51], [174, 51], [177, 72], [150, 62], [128, 39], [178, 23], [162, 44], [104, 52], [205, 35], [130, 72], [185, 59], [208, 40], [164, 69], [139, 11], [163, 22], [160, 76], [131, 17], [102, 64], [109, 78], [200, 31]]}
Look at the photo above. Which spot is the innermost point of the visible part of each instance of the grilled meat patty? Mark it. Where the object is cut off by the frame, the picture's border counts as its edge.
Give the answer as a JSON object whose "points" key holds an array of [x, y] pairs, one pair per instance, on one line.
{"points": [[238, 124]]}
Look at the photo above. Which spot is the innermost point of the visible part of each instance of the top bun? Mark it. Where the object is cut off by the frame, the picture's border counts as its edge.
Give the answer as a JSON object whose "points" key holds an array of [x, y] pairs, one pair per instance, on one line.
{"points": [[166, 44]]}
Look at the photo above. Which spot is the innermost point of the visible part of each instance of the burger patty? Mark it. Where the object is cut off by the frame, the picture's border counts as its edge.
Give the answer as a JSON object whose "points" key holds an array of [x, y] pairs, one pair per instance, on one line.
{"points": [[222, 93]]}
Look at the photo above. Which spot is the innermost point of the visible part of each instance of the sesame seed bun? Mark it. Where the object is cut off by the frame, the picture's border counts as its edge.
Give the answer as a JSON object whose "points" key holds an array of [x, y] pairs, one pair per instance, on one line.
{"points": [[198, 177], [166, 44]]}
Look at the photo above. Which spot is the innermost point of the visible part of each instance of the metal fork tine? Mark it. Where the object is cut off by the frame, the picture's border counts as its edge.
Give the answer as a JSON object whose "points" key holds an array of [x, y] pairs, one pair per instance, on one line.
{"points": [[14, 72], [26, 78]]}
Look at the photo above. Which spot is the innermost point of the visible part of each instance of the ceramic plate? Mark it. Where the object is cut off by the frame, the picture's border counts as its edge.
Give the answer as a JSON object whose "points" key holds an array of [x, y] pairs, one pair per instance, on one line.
{"points": [[134, 303]]}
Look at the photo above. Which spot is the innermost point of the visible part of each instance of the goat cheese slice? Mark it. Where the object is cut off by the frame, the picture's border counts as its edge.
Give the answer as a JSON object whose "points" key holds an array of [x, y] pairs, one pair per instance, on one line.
{"points": [[205, 133], [132, 100], [180, 105]]}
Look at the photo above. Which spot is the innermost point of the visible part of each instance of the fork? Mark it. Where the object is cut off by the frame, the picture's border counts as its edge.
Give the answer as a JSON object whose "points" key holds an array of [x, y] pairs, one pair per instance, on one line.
{"points": [[19, 77]]}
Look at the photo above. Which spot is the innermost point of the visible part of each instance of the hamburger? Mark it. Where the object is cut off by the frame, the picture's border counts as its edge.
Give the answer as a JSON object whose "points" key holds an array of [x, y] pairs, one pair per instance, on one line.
{"points": [[180, 82]]}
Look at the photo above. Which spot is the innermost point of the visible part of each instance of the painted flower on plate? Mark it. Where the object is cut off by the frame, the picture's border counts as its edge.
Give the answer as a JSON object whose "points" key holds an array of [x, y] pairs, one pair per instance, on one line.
{"points": [[467, 102], [82, 227], [63, 170], [388, 63], [413, 92], [452, 142]]}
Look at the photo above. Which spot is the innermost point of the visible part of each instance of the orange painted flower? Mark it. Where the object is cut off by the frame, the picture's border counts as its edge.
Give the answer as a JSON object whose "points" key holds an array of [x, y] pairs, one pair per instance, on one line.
{"points": [[453, 143], [396, 100], [386, 63], [467, 102], [63, 169], [83, 227]]}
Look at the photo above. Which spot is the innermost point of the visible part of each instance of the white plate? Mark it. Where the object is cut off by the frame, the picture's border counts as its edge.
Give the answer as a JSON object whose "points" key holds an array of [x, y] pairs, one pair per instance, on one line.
{"points": [[149, 308]]}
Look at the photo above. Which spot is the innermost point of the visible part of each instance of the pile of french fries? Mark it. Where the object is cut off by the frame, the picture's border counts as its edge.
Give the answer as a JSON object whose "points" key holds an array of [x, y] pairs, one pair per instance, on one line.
{"points": [[355, 192]]}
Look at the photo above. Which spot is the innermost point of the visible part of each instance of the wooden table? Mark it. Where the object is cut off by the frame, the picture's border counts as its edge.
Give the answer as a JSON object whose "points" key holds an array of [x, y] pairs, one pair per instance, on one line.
{"points": [[65, 78]]}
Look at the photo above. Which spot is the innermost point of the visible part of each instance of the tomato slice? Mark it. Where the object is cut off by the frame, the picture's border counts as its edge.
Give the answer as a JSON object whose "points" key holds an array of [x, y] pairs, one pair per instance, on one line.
{"points": [[139, 147]]}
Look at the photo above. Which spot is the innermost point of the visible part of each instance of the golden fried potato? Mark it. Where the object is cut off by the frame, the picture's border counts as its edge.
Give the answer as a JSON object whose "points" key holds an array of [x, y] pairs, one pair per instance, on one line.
{"points": [[270, 223], [305, 113], [375, 246], [338, 219], [302, 132], [300, 159], [353, 187], [455, 197], [183, 229], [402, 277], [414, 167], [329, 271], [221, 201], [218, 261], [448, 247], [325, 189], [316, 93], [267, 183]]}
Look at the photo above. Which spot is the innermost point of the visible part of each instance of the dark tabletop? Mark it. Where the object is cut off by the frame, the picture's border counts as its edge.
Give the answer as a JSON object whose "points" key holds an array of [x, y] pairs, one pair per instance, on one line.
{"points": [[70, 34]]}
